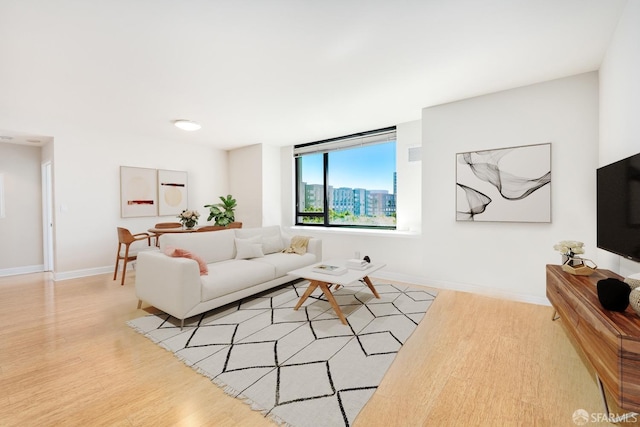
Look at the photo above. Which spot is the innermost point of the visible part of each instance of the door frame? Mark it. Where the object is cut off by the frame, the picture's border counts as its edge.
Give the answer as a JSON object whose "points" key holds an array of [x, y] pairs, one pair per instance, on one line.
{"points": [[47, 216]]}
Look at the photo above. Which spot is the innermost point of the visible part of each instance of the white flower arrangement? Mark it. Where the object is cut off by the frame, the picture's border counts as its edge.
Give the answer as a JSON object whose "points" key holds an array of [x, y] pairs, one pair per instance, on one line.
{"points": [[188, 217], [569, 248], [570, 262]]}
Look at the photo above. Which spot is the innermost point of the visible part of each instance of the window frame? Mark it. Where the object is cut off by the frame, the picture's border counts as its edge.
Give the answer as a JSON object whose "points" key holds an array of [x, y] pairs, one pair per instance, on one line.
{"points": [[324, 148]]}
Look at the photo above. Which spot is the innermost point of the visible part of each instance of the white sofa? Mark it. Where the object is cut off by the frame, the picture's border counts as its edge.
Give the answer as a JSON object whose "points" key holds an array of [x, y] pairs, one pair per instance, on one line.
{"points": [[175, 285]]}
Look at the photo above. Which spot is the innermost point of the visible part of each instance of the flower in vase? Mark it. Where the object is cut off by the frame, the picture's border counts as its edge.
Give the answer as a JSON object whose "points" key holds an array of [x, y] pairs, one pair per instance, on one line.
{"points": [[569, 248], [189, 218]]}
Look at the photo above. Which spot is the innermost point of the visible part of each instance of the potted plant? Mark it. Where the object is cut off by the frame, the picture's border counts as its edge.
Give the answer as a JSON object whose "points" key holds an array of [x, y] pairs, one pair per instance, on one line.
{"points": [[222, 212]]}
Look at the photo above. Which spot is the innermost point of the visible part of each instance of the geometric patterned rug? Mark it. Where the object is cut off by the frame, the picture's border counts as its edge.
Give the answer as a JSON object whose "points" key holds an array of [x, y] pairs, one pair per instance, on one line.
{"points": [[299, 368]]}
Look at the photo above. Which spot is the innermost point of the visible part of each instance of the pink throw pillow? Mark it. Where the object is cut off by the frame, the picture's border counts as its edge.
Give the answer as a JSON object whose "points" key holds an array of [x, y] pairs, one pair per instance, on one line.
{"points": [[183, 253]]}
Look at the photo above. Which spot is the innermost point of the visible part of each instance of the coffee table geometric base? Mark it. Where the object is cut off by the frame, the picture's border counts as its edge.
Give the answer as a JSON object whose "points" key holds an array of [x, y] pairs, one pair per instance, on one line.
{"points": [[326, 290]]}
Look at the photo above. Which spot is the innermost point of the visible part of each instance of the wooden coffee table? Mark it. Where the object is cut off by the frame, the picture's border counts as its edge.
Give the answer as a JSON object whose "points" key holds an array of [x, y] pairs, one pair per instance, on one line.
{"points": [[325, 281]]}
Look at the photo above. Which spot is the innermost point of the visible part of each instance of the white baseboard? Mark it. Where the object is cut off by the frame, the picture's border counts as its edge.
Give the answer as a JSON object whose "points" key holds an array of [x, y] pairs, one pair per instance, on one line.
{"points": [[74, 274], [21, 270], [66, 275], [463, 287]]}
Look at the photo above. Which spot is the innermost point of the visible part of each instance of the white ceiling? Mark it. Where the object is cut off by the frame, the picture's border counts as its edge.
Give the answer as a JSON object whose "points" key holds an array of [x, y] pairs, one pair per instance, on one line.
{"points": [[278, 72]]}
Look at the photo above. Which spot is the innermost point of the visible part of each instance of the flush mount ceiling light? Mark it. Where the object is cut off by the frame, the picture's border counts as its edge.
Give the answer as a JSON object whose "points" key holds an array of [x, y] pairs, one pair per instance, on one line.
{"points": [[187, 125]]}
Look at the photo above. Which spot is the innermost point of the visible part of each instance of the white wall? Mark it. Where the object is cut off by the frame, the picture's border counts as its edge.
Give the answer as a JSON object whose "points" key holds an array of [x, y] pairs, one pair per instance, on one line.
{"points": [[21, 228], [409, 177], [620, 107], [255, 176], [87, 191], [245, 177], [271, 186], [509, 258]]}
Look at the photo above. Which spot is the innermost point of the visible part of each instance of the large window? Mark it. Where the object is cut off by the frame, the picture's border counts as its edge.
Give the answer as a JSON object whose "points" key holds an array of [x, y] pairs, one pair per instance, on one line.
{"points": [[348, 181]]}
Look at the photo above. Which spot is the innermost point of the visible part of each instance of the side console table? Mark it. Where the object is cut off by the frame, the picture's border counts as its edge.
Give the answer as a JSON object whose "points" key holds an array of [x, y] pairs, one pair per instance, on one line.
{"points": [[609, 340]]}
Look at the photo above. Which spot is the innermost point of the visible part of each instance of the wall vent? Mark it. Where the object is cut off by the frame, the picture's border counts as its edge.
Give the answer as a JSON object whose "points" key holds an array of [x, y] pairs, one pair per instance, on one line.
{"points": [[415, 154]]}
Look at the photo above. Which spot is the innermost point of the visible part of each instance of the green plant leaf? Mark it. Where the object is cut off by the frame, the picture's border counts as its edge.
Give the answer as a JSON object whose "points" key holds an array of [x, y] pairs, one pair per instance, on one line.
{"points": [[222, 212]]}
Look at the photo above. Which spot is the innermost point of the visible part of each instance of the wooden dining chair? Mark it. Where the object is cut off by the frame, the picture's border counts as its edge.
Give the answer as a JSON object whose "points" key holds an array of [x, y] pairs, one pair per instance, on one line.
{"points": [[168, 225], [163, 226], [125, 239]]}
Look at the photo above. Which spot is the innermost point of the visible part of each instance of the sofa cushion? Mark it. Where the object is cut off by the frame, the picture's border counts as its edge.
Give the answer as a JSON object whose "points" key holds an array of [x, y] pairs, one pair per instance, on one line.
{"points": [[284, 263], [213, 246], [183, 253], [271, 237], [233, 275], [245, 233], [249, 248], [272, 244]]}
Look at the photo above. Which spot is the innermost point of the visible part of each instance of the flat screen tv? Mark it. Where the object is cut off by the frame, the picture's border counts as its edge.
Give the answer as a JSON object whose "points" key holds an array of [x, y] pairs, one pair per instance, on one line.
{"points": [[618, 207]]}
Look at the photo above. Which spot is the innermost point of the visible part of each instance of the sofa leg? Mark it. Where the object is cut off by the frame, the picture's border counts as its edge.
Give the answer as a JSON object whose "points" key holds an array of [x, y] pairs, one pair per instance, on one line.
{"points": [[139, 304], [181, 324]]}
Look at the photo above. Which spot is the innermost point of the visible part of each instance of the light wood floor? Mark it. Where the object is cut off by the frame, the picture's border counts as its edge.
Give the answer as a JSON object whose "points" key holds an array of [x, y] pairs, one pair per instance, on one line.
{"points": [[68, 358]]}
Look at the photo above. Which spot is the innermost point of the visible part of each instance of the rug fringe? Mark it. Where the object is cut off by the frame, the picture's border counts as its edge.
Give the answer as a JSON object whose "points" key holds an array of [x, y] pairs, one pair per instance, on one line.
{"points": [[227, 389], [244, 399], [142, 331]]}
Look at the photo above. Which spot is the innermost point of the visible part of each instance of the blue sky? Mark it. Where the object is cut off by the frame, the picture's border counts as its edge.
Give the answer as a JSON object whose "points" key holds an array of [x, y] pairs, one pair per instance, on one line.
{"points": [[371, 167]]}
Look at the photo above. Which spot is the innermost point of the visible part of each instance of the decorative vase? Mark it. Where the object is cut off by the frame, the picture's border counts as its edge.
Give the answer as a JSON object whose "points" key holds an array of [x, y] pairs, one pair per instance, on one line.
{"points": [[634, 300], [189, 224], [579, 266], [632, 281]]}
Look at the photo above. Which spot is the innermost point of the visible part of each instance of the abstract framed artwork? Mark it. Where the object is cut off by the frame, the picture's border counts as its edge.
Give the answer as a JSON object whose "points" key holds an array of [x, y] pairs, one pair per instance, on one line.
{"points": [[138, 192], [505, 184], [172, 192]]}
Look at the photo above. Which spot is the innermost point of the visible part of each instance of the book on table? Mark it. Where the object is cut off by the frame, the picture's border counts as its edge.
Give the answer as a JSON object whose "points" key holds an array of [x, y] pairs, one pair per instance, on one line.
{"points": [[357, 264], [334, 270]]}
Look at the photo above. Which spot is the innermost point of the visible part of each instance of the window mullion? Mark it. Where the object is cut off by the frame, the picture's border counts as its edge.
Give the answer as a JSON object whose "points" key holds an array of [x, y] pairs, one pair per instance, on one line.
{"points": [[325, 173], [298, 161]]}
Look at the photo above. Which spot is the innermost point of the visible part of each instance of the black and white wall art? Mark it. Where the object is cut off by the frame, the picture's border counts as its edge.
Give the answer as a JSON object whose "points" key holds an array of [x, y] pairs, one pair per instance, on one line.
{"points": [[505, 184]]}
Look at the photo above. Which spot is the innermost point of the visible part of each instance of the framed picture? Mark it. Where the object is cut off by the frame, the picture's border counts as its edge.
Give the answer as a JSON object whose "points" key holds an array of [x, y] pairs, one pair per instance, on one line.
{"points": [[138, 192], [172, 192], [505, 184]]}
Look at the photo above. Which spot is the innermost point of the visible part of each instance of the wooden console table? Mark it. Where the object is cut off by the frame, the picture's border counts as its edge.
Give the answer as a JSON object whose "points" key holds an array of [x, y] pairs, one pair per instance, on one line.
{"points": [[609, 340]]}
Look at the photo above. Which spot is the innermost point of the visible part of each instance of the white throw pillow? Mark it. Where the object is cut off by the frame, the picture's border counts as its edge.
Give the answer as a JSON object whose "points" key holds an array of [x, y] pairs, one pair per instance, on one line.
{"points": [[272, 244], [249, 248]]}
